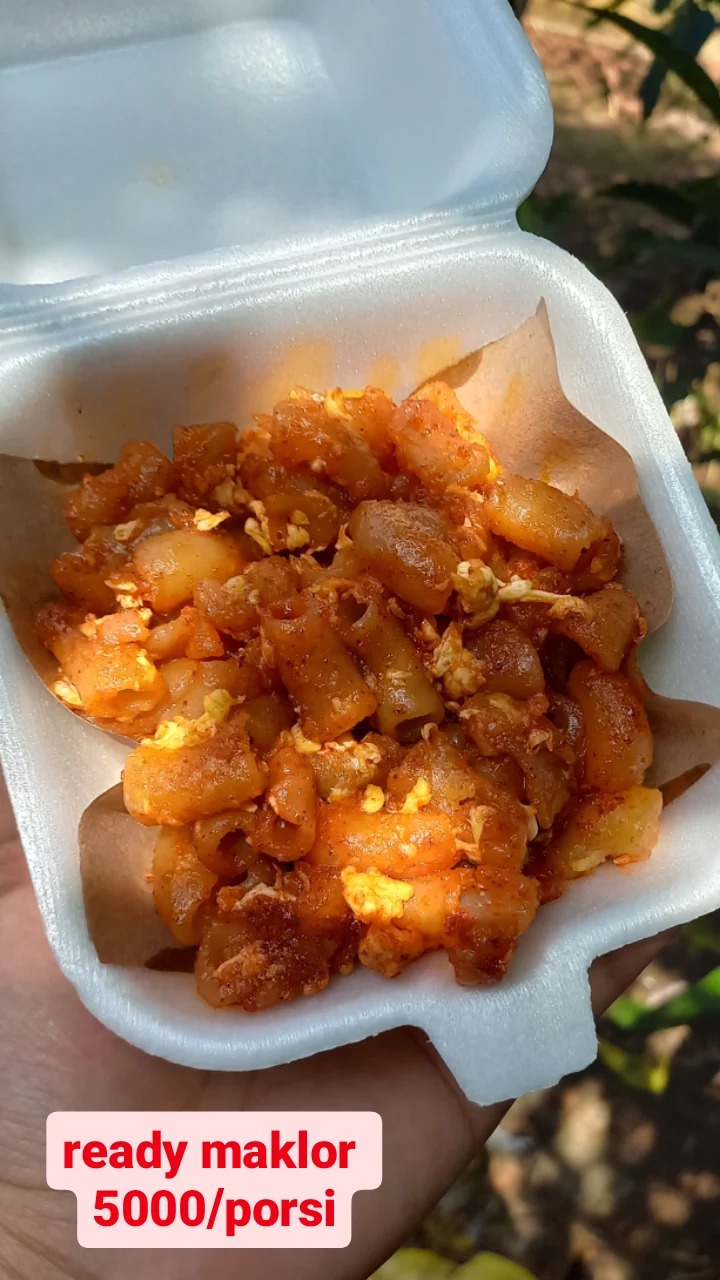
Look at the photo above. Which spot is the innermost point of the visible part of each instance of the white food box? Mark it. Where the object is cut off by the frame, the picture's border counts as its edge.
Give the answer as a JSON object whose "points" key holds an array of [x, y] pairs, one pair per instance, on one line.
{"points": [[325, 191]]}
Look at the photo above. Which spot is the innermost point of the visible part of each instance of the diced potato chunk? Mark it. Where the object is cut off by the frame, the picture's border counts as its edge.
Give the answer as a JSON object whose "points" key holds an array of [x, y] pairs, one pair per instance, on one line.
{"points": [[113, 677], [511, 661], [621, 828], [169, 566], [406, 546], [432, 443], [544, 520], [174, 786], [619, 746], [141, 474], [182, 885], [396, 844], [604, 624]]}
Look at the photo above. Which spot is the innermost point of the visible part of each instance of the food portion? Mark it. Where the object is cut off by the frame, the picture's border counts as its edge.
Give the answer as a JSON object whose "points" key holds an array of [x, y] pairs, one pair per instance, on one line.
{"points": [[382, 692]]}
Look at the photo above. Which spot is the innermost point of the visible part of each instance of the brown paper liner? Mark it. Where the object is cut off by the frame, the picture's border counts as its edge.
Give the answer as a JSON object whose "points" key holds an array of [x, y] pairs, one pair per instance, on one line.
{"points": [[115, 866], [512, 388]]}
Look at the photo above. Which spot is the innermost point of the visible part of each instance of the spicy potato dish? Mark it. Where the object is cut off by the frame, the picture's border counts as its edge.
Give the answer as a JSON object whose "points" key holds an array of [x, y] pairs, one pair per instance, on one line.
{"points": [[381, 691]]}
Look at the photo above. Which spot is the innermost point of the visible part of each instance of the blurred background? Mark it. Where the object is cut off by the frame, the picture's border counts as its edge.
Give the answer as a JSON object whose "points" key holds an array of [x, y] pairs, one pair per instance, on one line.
{"points": [[615, 1174]]}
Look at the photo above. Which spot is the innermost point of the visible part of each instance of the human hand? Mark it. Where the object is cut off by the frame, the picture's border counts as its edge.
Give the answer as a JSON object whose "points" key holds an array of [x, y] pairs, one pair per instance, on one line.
{"points": [[54, 1056]]}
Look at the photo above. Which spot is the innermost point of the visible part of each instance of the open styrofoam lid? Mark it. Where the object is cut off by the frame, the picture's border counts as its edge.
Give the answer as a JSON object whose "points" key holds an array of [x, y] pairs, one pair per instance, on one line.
{"points": [[140, 130]]}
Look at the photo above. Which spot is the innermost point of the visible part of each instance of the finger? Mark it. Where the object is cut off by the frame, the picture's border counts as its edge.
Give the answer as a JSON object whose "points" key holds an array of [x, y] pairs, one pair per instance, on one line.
{"points": [[7, 817], [13, 868], [612, 974]]}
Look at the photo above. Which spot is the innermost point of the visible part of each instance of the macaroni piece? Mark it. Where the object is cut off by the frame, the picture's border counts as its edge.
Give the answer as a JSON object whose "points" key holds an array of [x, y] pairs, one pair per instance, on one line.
{"points": [[381, 691]]}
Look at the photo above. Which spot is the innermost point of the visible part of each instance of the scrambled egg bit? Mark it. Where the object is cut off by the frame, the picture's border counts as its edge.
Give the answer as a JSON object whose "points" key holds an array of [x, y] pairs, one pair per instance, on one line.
{"points": [[373, 799], [231, 494], [481, 593], [205, 521], [477, 589], [257, 526], [126, 591], [304, 746], [374, 898], [335, 402], [418, 797], [125, 532], [478, 817], [588, 862], [467, 428], [147, 672], [170, 735], [66, 691], [461, 672], [297, 534], [523, 589], [360, 759], [238, 586]]}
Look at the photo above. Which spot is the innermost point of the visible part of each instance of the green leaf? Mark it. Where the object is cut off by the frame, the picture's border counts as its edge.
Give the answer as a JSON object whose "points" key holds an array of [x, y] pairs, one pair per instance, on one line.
{"points": [[543, 215], [683, 64], [700, 998], [626, 1012], [688, 31], [415, 1264], [490, 1266], [694, 251], [654, 328], [704, 194], [635, 1069], [712, 497], [704, 934], [665, 200], [422, 1264]]}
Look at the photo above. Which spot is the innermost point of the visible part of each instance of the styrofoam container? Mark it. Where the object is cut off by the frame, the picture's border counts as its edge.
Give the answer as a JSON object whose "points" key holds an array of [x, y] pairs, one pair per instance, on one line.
{"points": [[328, 188]]}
